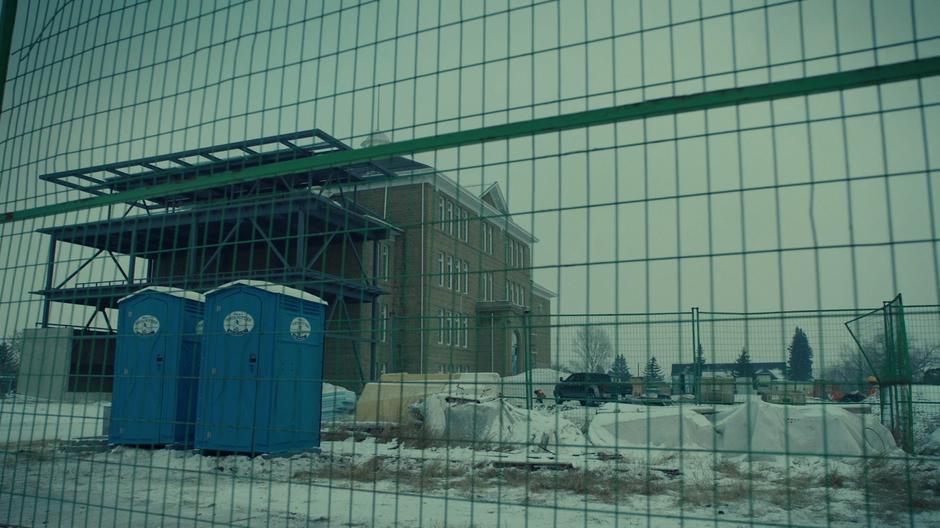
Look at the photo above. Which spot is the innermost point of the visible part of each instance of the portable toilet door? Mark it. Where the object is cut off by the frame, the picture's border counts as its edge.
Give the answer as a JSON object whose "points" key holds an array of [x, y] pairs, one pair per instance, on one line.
{"points": [[259, 383], [156, 368], [232, 344]]}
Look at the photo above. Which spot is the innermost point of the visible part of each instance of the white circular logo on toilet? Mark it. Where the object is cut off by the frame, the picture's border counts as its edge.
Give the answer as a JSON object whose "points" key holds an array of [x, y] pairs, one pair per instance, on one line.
{"points": [[238, 323], [300, 328], [200, 325], [146, 325]]}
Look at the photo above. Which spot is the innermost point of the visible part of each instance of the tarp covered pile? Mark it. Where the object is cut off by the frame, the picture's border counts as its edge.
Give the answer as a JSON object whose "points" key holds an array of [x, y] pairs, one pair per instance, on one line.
{"points": [[673, 427], [467, 417], [760, 427]]}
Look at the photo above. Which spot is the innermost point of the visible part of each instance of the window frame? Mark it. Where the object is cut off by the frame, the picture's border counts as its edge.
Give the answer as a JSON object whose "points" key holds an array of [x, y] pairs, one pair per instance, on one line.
{"points": [[383, 322], [441, 269], [450, 272], [440, 326]]}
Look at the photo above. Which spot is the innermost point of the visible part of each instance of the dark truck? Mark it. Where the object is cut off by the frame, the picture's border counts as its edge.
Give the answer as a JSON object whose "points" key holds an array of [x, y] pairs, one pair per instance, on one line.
{"points": [[589, 388]]}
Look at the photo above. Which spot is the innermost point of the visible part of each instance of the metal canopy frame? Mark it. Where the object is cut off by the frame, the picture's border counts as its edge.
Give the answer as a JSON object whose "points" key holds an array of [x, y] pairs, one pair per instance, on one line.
{"points": [[110, 178]]}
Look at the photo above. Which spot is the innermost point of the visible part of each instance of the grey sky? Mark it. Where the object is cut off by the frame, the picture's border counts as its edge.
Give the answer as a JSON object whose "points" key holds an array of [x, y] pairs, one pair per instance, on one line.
{"points": [[160, 77]]}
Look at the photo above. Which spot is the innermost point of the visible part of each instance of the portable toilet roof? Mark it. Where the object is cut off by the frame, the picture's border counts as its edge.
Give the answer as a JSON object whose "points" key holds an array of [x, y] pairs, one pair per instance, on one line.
{"points": [[271, 287], [175, 292]]}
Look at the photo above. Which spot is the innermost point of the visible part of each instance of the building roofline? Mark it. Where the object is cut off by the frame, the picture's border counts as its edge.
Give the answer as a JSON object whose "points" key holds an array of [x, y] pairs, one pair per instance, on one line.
{"points": [[542, 291], [442, 182]]}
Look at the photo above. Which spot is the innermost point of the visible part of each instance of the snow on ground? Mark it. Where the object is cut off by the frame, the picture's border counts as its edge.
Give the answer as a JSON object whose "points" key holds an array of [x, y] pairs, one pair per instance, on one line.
{"points": [[385, 481], [28, 419]]}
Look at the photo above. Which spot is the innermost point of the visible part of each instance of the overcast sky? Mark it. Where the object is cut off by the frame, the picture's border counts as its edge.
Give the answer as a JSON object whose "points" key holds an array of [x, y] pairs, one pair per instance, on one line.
{"points": [[718, 210]]}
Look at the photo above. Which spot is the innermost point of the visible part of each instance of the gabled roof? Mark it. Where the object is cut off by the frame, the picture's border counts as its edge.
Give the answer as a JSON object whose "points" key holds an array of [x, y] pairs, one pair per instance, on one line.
{"points": [[494, 196], [423, 174]]}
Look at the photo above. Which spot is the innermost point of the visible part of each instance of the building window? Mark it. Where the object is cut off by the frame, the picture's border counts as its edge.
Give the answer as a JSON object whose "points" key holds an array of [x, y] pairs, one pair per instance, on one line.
{"points": [[466, 277], [511, 251], [385, 258], [448, 327], [440, 212], [450, 272], [450, 217], [440, 325], [383, 322], [440, 271], [508, 290], [466, 331], [466, 225], [457, 274], [487, 238]]}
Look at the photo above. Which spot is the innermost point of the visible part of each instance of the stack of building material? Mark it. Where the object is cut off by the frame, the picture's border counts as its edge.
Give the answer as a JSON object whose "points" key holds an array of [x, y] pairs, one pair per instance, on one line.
{"points": [[338, 404], [388, 399]]}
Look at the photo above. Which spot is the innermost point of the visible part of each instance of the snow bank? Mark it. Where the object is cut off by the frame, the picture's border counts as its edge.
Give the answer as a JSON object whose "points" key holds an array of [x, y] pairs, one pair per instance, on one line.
{"points": [[456, 418], [673, 427], [514, 386], [338, 403], [761, 427], [25, 419]]}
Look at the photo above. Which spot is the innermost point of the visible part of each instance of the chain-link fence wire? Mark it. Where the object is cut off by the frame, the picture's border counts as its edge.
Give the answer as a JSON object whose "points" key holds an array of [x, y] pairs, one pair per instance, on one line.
{"points": [[508, 209]]}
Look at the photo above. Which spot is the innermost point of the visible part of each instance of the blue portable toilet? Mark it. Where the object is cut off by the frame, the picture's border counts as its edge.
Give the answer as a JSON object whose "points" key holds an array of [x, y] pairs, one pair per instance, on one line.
{"points": [[260, 386], [156, 367]]}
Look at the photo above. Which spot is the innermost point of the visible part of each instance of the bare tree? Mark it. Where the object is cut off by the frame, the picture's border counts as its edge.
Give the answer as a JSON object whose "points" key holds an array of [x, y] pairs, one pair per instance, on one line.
{"points": [[854, 368], [593, 350]]}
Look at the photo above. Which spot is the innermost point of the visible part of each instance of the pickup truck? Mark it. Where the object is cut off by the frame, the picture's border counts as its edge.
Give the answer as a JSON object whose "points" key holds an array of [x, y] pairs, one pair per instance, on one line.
{"points": [[589, 388]]}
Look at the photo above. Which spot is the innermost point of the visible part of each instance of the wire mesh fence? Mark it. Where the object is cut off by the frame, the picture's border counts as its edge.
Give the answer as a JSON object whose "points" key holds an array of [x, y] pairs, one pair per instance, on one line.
{"points": [[416, 263]]}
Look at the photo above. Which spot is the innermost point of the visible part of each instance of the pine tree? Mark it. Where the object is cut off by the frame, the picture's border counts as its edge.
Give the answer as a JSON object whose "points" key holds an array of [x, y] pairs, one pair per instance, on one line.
{"points": [[9, 359], [653, 373], [800, 366], [743, 367], [620, 371]]}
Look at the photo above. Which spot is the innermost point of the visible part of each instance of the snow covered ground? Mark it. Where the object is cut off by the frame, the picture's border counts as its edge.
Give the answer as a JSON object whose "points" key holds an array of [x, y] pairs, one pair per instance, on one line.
{"points": [[47, 477]]}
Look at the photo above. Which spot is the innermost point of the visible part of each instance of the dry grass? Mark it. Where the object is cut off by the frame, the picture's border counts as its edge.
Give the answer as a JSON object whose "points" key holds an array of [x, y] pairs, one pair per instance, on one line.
{"points": [[897, 487]]}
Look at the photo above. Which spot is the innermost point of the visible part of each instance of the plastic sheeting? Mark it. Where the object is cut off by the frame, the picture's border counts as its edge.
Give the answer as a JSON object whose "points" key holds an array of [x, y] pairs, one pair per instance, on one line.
{"points": [[338, 403], [760, 427], [631, 426], [388, 399], [460, 418]]}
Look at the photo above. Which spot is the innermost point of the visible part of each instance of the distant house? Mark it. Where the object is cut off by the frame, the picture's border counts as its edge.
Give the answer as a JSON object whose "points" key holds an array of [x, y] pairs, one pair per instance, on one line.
{"points": [[683, 374]]}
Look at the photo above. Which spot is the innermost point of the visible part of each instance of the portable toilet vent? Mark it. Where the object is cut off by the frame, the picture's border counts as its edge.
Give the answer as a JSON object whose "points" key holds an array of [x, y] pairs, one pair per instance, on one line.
{"points": [[156, 368], [262, 369]]}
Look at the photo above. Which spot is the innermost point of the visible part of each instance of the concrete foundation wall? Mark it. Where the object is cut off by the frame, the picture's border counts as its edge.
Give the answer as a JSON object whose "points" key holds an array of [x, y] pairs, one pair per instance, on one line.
{"points": [[44, 366]]}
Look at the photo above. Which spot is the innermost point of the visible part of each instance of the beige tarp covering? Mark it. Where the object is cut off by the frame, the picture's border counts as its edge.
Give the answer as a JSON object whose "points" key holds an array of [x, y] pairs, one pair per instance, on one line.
{"points": [[387, 400]]}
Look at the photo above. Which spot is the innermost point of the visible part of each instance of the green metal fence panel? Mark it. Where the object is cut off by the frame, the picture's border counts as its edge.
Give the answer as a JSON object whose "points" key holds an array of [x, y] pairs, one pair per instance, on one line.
{"points": [[607, 263]]}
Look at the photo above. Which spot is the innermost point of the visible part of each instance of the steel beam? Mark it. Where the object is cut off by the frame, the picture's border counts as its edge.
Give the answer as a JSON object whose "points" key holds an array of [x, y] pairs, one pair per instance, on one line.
{"points": [[830, 82], [7, 19]]}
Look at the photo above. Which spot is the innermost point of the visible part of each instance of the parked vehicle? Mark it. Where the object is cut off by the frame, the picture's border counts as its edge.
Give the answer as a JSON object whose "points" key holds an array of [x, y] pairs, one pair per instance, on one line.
{"points": [[589, 388]]}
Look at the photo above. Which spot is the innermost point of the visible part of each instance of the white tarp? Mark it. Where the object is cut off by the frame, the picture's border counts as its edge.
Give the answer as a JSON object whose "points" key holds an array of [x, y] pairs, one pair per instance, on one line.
{"points": [[388, 399], [761, 427], [463, 418], [670, 427]]}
